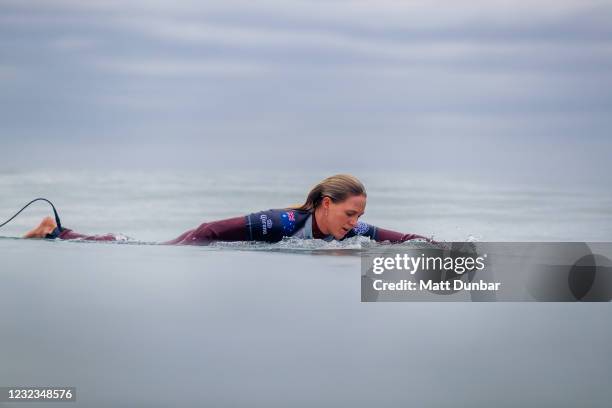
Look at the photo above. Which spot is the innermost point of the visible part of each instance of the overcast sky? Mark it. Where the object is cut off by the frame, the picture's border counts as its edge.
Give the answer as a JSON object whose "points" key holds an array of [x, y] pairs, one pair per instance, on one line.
{"points": [[490, 87]]}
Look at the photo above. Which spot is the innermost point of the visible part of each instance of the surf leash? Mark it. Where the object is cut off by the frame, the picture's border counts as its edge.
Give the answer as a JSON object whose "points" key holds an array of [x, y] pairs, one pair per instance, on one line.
{"points": [[57, 229]]}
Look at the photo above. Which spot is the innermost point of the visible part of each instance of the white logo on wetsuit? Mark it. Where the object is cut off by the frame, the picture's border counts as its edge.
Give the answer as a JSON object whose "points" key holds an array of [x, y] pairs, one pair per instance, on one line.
{"points": [[266, 223]]}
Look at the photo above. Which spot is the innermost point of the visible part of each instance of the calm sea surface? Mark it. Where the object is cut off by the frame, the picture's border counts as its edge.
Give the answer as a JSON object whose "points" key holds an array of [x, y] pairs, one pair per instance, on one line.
{"points": [[147, 325], [159, 206]]}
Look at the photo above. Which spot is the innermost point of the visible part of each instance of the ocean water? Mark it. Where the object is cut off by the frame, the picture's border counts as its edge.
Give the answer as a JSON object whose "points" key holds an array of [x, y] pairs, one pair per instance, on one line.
{"points": [[157, 206], [135, 324]]}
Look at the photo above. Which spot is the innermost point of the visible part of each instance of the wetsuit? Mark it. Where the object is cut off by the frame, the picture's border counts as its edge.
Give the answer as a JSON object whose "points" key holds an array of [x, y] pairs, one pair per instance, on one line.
{"points": [[268, 226]]}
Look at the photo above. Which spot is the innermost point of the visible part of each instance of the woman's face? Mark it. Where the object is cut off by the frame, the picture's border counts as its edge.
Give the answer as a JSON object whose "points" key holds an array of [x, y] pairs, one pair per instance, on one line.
{"points": [[339, 218]]}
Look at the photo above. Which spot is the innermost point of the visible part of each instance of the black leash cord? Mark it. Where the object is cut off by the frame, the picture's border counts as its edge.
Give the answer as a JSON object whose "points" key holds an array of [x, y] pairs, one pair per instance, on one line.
{"points": [[57, 219]]}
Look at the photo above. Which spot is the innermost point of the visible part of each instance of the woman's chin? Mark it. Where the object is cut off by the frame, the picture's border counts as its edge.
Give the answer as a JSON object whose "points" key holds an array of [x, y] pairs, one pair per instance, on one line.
{"points": [[340, 235]]}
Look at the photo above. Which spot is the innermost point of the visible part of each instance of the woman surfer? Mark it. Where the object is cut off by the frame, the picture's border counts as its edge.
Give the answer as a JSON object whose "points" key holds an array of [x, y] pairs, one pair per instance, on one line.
{"points": [[331, 211]]}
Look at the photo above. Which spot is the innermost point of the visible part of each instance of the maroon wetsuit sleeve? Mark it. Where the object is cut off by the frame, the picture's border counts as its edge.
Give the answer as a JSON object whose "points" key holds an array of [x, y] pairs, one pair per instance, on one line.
{"points": [[392, 236], [70, 234], [231, 229]]}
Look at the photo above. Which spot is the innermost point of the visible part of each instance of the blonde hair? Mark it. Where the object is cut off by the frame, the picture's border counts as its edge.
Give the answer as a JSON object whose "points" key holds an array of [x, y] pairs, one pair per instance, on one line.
{"points": [[338, 188]]}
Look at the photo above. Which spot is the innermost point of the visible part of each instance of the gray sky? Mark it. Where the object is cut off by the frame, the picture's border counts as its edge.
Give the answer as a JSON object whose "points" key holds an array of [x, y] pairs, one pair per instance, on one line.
{"points": [[482, 87]]}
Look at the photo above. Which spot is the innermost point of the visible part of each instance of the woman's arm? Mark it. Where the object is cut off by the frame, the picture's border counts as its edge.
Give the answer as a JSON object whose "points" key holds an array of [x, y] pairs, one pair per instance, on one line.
{"points": [[381, 234], [393, 236]]}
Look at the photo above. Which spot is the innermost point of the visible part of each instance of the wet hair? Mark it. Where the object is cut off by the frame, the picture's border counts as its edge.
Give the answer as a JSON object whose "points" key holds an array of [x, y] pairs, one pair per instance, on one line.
{"points": [[338, 188]]}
